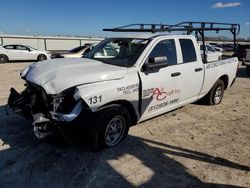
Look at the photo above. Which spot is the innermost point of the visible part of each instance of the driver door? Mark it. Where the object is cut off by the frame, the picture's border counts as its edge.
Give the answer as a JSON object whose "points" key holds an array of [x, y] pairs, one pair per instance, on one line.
{"points": [[160, 88]]}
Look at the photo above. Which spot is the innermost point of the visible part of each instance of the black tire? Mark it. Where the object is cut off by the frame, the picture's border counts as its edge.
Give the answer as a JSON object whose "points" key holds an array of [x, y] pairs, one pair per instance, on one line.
{"points": [[110, 127], [215, 95], [41, 57], [3, 58]]}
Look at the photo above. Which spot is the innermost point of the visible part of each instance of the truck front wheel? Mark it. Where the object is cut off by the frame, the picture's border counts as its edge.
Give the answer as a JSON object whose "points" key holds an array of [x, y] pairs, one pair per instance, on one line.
{"points": [[216, 94], [110, 127]]}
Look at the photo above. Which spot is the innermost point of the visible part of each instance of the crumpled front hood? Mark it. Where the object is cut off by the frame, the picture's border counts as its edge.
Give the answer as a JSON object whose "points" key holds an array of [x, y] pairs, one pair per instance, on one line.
{"points": [[60, 74]]}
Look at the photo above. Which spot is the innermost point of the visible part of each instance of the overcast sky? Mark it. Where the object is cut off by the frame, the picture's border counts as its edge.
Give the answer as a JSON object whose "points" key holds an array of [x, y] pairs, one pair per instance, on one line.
{"points": [[87, 18]]}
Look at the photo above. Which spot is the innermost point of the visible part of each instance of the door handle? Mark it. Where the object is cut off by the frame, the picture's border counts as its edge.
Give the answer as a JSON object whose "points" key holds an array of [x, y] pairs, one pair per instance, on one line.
{"points": [[198, 69], [175, 74]]}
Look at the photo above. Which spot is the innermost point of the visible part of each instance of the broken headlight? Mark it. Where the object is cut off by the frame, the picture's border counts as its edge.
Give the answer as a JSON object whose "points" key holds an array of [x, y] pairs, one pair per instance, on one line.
{"points": [[64, 102]]}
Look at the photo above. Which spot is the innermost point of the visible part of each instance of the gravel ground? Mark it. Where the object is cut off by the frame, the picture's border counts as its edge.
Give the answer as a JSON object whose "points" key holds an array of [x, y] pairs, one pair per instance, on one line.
{"points": [[195, 146]]}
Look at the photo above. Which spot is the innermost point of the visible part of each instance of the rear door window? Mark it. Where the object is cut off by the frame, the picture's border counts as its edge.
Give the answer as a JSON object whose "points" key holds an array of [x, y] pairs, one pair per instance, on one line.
{"points": [[188, 50], [9, 47]]}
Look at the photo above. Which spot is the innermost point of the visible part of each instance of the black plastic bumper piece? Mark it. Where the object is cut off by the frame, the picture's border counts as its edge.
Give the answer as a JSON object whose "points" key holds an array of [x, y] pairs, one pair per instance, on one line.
{"points": [[18, 103]]}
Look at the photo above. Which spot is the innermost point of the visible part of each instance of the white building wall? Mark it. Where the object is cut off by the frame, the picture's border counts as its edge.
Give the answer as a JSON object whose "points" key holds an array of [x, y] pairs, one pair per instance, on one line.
{"points": [[61, 44], [48, 42]]}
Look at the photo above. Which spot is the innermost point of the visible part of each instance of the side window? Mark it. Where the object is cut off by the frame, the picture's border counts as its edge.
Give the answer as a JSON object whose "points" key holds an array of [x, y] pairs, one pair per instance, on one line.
{"points": [[165, 48], [188, 50], [111, 50], [19, 47], [9, 47]]}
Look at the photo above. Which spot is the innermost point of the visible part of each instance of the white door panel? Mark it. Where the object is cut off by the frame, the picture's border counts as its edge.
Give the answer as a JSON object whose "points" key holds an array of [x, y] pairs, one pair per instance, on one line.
{"points": [[192, 72], [20, 55], [160, 92], [191, 80], [29, 55]]}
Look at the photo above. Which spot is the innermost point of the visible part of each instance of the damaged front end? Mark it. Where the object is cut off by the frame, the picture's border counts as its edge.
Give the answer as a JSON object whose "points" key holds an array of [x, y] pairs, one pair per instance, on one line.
{"points": [[47, 111]]}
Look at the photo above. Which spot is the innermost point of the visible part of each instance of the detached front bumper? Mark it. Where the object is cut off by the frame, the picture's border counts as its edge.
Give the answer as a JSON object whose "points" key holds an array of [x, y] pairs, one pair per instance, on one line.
{"points": [[47, 112], [24, 104]]}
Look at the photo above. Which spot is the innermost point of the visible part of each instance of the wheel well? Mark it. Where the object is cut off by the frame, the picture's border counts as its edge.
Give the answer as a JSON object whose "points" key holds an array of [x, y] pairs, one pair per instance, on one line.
{"points": [[225, 79], [128, 106]]}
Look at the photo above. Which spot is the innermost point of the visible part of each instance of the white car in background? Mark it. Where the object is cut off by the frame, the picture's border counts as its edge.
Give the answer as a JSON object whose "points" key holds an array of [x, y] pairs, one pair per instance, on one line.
{"points": [[219, 49], [16, 52], [212, 54]]}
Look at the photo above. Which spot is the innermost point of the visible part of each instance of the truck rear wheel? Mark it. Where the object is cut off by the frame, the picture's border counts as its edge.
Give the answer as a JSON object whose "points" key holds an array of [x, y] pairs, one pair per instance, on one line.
{"points": [[216, 94], [110, 127]]}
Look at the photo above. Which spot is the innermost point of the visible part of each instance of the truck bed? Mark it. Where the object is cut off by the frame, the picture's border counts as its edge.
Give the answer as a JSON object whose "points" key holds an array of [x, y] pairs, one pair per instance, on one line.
{"points": [[226, 68]]}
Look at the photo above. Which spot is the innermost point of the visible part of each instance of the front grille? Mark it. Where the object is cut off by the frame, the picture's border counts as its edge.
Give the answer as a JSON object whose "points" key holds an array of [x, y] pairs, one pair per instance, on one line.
{"points": [[41, 102]]}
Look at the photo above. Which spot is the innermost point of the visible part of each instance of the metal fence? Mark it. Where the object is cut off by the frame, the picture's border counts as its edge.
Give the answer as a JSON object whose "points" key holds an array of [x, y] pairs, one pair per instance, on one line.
{"points": [[51, 43]]}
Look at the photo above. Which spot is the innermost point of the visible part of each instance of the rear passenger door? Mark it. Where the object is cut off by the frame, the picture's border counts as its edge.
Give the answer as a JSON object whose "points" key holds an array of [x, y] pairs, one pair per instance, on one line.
{"points": [[192, 71], [10, 51]]}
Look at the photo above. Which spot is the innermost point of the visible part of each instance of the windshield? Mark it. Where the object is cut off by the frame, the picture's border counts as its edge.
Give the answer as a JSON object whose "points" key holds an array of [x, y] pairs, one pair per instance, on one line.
{"points": [[118, 51], [31, 47]]}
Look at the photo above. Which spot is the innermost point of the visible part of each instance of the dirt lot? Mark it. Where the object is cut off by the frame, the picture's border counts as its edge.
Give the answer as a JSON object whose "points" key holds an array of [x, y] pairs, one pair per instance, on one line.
{"points": [[196, 146]]}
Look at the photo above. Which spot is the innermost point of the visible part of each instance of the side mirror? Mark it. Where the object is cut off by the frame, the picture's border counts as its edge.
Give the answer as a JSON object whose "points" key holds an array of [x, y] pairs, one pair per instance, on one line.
{"points": [[155, 63], [29, 49]]}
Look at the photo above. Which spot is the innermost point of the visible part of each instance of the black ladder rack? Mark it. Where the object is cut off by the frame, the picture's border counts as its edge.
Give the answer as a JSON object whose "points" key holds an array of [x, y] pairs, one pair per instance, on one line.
{"points": [[188, 27]]}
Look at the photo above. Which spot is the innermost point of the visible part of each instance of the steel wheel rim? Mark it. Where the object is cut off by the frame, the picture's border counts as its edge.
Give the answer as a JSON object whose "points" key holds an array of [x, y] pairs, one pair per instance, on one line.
{"points": [[114, 131], [218, 95]]}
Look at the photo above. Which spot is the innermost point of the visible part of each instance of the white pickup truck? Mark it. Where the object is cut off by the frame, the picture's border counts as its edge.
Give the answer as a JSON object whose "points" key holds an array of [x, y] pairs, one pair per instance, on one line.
{"points": [[145, 77]]}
